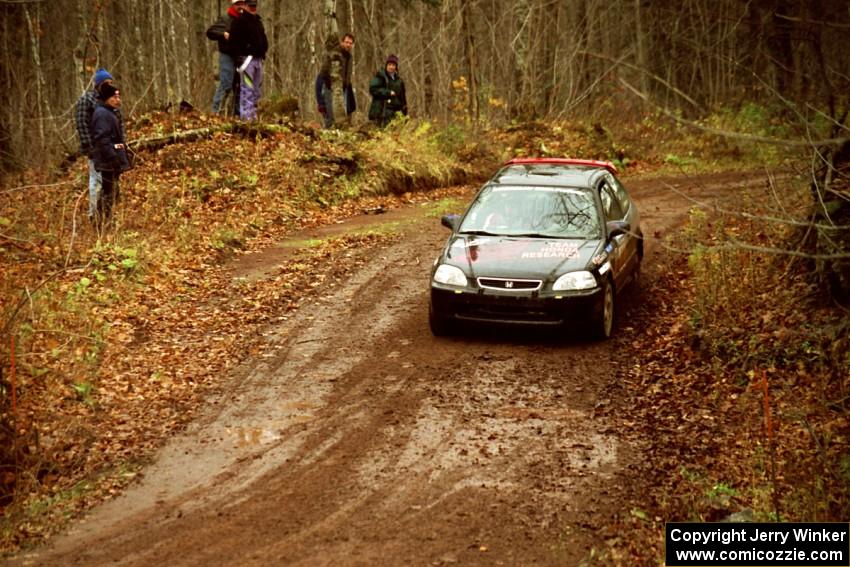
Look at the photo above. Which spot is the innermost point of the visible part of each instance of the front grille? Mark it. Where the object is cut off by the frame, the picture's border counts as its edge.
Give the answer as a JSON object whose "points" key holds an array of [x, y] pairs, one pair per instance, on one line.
{"points": [[504, 284], [508, 308]]}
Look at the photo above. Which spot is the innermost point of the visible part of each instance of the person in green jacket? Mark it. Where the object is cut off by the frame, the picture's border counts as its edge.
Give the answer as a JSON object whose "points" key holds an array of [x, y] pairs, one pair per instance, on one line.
{"points": [[388, 93]]}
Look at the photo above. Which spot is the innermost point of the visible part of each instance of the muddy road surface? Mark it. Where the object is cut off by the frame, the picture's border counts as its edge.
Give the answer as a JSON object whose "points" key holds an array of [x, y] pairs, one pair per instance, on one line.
{"points": [[357, 438]]}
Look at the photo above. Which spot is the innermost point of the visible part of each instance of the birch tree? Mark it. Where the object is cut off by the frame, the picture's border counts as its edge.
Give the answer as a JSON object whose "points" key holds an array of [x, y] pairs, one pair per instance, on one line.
{"points": [[540, 58]]}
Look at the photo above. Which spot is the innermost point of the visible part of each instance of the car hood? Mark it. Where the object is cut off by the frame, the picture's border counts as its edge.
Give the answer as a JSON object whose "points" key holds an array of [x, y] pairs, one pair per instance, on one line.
{"points": [[515, 257]]}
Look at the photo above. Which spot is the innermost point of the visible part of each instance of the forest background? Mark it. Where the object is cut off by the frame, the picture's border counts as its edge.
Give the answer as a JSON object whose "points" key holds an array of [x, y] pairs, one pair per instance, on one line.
{"points": [[495, 60], [762, 83]]}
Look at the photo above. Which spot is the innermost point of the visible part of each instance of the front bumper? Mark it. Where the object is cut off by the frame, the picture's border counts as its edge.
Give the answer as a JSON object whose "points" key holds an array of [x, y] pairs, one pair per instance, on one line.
{"points": [[538, 308]]}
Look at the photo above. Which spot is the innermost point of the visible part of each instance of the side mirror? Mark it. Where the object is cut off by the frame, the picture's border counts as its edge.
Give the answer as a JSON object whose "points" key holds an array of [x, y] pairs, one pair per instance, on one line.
{"points": [[450, 221], [618, 228]]}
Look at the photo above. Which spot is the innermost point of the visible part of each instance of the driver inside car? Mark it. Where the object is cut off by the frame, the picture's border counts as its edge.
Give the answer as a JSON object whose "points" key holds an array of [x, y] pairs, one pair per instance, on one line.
{"points": [[505, 215]]}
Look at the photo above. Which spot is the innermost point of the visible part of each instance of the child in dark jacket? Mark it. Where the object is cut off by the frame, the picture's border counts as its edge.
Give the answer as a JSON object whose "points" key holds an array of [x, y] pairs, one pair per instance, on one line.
{"points": [[109, 150], [84, 111], [389, 96]]}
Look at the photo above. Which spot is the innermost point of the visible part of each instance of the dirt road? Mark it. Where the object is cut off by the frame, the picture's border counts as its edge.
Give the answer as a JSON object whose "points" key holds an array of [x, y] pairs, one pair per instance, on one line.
{"points": [[357, 438]]}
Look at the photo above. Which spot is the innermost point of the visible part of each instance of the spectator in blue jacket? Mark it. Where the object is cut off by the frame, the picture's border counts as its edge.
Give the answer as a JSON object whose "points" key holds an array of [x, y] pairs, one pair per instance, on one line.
{"points": [[109, 150]]}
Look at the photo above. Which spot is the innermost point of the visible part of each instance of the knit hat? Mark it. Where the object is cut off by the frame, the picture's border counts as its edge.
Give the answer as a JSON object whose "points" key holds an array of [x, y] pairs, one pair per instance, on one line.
{"points": [[107, 91], [392, 59], [101, 75]]}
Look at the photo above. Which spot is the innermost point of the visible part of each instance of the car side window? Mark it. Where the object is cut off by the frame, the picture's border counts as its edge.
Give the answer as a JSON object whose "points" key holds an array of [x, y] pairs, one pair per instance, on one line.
{"points": [[621, 194], [610, 204]]}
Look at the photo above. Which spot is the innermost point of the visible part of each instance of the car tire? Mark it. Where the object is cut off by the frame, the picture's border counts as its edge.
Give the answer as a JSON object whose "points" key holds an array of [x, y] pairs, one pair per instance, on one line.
{"points": [[603, 323], [439, 325], [636, 272], [639, 265]]}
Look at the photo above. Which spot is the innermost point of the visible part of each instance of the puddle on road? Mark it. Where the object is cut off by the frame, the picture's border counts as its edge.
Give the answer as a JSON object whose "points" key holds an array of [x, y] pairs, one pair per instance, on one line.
{"points": [[290, 413], [292, 407], [253, 436], [495, 430]]}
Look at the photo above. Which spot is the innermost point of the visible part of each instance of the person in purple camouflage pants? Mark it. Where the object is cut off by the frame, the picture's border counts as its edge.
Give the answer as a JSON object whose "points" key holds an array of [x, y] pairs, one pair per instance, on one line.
{"points": [[248, 30], [252, 83]]}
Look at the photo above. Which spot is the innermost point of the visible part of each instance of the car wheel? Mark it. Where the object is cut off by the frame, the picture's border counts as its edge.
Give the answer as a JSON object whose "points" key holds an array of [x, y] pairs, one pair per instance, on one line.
{"points": [[639, 261], [439, 325], [603, 326]]}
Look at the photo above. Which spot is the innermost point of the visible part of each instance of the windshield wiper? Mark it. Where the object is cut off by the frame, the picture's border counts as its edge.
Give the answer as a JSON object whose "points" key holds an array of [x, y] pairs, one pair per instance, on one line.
{"points": [[557, 236], [536, 235], [479, 233]]}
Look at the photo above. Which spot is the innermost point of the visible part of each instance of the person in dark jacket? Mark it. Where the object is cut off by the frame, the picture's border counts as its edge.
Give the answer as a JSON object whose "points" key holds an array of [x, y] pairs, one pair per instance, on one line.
{"points": [[347, 93], [388, 94], [109, 150], [337, 61], [230, 55], [248, 30], [83, 115]]}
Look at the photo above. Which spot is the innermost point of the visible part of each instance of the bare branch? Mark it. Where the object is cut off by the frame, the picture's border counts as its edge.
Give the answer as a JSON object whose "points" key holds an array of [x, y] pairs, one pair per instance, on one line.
{"points": [[13, 189], [658, 79], [737, 135], [752, 217], [784, 252], [74, 226], [815, 22], [15, 241]]}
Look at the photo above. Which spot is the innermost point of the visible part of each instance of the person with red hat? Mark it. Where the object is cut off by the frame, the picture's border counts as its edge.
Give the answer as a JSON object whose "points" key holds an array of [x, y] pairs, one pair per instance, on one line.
{"points": [[248, 31], [230, 55]]}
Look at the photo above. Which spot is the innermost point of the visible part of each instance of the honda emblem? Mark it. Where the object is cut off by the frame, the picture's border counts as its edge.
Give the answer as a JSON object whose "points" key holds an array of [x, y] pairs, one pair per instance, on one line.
{"points": [[509, 285]]}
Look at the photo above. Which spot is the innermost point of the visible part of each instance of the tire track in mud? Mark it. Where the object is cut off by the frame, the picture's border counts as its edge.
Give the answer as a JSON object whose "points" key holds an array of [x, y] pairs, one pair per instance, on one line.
{"points": [[357, 438], [360, 418]]}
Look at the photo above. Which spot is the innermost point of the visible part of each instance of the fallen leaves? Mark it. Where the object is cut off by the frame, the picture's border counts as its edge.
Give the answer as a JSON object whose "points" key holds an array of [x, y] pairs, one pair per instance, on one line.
{"points": [[147, 321], [699, 421]]}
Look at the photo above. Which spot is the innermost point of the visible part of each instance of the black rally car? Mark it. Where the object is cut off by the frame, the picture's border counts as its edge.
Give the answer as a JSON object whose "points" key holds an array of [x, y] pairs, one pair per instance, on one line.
{"points": [[544, 242]]}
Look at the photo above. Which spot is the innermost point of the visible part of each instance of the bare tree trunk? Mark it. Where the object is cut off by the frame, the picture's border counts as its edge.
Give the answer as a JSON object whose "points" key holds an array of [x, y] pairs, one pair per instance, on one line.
{"points": [[141, 62], [166, 69], [471, 63], [186, 56], [540, 56], [35, 45], [783, 49], [331, 40], [640, 45]]}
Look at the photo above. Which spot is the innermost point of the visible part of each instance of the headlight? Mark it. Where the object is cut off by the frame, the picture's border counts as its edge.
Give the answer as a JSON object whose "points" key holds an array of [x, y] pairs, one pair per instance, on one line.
{"points": [[450, 275], [575, 281]]}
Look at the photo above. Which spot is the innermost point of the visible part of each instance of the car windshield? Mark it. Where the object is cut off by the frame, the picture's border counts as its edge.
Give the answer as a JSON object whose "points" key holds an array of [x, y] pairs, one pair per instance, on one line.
{"points": [[549, 212]]}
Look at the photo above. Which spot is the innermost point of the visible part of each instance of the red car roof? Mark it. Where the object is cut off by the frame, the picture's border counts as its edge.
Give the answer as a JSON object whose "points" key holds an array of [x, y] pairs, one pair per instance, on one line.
{"points": [[563, 161]]}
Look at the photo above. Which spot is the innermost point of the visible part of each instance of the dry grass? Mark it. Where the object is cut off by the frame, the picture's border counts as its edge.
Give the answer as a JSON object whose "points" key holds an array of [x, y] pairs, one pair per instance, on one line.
{"points": [[756, 312], [98, 319]]}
